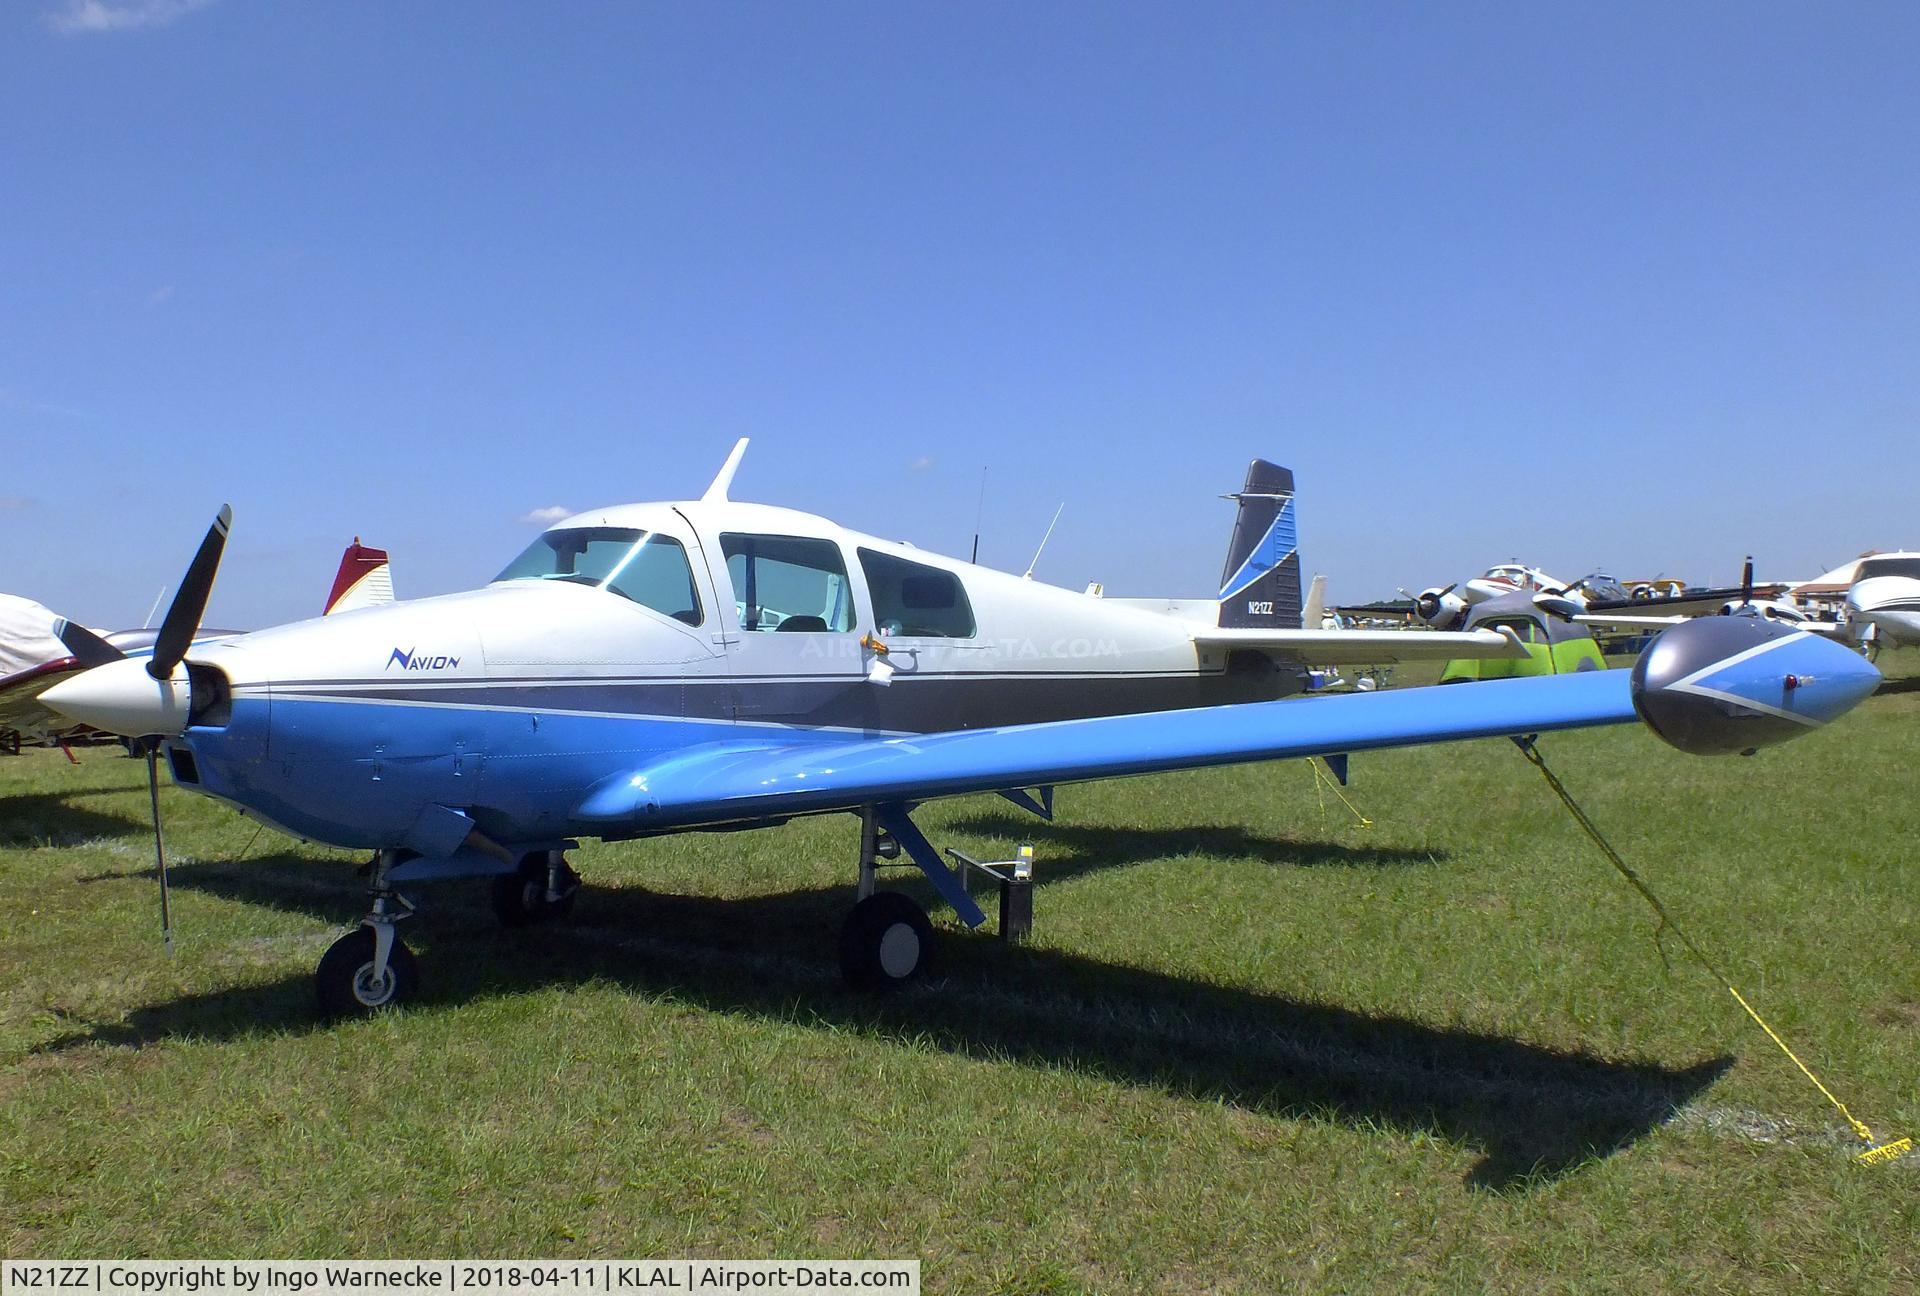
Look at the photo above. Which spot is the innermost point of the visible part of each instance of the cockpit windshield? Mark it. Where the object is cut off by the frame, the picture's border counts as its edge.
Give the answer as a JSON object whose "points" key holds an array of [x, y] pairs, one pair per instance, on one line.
{"points": [[649, 568], [1871, 567]]}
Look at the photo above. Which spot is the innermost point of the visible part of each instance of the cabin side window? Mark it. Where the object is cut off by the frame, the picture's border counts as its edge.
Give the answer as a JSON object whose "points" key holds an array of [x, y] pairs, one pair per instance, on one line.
{"points": [[911, 598], [788, 583], [1526, 631]]}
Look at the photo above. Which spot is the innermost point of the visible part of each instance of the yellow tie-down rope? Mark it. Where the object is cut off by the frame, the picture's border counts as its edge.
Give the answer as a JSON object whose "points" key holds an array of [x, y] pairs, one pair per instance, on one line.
{"points": [[1322, 779], [1876, 1153]]}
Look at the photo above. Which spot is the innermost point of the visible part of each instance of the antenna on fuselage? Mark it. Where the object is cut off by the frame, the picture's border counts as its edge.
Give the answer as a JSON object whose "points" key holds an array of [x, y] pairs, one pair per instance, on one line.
{"points": [[717, 493], [1028, 574], [979, 512]]}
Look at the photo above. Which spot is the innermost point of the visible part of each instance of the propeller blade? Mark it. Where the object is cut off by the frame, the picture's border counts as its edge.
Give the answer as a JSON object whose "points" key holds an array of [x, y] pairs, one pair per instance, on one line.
{"points": [[159, 843], [190, 604], [88, 648], [1746, 581]]}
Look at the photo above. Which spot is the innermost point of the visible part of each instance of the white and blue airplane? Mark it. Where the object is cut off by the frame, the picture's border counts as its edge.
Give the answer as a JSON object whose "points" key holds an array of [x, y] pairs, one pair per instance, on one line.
{"points": [[710, 664], [1885, 599]]}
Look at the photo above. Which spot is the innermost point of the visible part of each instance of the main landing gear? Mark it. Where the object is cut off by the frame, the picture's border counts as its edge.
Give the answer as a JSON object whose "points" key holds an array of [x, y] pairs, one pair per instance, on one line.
{"points": [[370, 968], [887, 938], [541, 890]]}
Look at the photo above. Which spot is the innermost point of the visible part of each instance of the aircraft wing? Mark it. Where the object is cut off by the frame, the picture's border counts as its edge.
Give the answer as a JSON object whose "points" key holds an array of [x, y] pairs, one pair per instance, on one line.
{"points": [[1607, 621], [728, 782], [1364, 647], [20, 706]]}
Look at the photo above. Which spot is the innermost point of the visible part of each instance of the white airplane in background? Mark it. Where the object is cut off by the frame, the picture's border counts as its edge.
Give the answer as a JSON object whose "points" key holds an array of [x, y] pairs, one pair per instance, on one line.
{"points": [[1743, 603], [39, 647], [1885, 599]]}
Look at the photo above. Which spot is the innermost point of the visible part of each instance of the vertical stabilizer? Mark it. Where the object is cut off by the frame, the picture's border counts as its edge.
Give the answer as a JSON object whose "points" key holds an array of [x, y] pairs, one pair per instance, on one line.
{"points": [[1261, 584], [1314, 610], [364, 580]]}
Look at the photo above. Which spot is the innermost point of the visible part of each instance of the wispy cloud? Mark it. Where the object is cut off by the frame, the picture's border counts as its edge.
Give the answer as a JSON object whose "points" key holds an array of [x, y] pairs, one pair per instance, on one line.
{"points": [[921, 464], [13, 400], [90, 17], [160, 296], [546, 516], [14, 503]]}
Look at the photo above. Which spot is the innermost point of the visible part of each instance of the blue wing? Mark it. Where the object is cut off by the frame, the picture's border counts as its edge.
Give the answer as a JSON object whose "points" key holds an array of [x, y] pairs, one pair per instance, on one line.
{"points": [[732, 782]]}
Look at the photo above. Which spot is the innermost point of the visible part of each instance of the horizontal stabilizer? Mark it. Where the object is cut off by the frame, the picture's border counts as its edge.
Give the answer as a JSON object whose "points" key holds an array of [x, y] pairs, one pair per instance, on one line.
{"points": [[1365, 647]]}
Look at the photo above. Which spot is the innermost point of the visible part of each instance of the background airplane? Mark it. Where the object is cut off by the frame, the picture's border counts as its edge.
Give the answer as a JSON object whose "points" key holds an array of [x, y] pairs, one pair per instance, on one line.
{"points": [[1446, 606], [715, 665], [1883, 603], [39, 647]]}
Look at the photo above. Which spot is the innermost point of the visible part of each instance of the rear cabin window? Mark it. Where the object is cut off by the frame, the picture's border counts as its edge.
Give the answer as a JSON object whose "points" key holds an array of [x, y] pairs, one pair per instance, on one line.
{"points": [[788, 583], [644, 566], [910, 598]]}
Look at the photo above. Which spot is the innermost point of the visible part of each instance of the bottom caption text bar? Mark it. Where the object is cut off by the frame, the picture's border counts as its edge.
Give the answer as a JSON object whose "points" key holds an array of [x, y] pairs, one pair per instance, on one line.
{"points": [[448, 1277]]}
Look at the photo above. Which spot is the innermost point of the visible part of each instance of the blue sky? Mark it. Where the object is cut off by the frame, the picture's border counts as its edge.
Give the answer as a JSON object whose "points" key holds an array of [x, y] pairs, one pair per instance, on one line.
{"points": [[1597, 285]]}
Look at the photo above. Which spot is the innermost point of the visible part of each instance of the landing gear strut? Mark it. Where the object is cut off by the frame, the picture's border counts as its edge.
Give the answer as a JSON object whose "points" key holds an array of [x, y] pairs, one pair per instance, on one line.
{"points": [[541, 890], [370, 968], [885, 940]]}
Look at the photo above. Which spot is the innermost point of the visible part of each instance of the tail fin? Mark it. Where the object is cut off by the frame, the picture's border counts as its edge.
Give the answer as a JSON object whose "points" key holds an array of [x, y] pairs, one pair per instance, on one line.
{"points": [[1314, 610], [1261, 584], [362, 581]]}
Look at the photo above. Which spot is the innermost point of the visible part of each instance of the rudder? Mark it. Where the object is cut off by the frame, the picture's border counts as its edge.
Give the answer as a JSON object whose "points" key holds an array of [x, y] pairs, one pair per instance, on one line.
{"points": [[1260, 586]]}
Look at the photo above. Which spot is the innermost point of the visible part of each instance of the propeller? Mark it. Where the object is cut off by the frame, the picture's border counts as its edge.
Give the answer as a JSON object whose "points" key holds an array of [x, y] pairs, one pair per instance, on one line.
{"points": [[1428, 604], [135, 698], [1746, 582], [88, 648], [190, 604], [169, 650]]}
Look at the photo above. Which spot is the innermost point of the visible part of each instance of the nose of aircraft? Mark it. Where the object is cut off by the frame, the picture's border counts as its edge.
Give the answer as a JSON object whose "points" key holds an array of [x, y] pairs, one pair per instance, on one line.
{"points": [[122, 698]]}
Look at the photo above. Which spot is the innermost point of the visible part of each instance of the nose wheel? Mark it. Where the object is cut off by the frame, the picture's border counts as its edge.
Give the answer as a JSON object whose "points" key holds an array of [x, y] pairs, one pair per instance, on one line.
{"points": [[370, 968], [354, 980]]}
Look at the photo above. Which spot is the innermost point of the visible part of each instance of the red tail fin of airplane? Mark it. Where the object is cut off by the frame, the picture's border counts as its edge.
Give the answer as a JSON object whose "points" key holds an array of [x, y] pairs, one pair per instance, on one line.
{"points": [[362, 581]]}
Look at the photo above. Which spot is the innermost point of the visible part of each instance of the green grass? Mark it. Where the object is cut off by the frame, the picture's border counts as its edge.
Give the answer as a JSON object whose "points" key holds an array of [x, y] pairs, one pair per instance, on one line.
{"points": [[1253, 1045]]}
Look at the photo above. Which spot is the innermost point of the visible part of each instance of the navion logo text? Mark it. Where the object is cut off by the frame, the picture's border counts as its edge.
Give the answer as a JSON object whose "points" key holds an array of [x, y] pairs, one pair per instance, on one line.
{"points": [[406, 659]]}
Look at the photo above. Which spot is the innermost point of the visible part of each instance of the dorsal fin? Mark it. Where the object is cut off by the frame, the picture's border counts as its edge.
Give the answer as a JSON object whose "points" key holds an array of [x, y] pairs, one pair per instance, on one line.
{"points": [[717, 493]]}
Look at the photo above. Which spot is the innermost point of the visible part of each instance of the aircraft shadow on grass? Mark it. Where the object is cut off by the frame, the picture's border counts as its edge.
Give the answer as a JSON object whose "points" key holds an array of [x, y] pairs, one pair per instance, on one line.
{"points": [[1533, 1113], [51, 818], [1069, 850]]}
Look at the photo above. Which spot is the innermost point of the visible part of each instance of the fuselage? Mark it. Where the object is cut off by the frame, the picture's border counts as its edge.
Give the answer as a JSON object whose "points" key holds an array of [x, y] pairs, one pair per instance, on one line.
{"points": [[625, 635], [1886, 595]]}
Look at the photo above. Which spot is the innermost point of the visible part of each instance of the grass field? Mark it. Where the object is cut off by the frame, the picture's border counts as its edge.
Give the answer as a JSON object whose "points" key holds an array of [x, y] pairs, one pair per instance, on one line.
{"points": [[1253, 1045]]}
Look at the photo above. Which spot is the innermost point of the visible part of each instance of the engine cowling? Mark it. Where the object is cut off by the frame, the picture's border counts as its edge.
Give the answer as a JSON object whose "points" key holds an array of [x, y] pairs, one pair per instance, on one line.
{"points": [[1723, 684]]}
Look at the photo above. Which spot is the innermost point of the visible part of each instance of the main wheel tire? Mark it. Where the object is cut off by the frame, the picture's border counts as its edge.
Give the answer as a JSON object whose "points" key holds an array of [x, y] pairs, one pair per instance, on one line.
{"points": [[344, 981], [520, 897], [884, 942]]}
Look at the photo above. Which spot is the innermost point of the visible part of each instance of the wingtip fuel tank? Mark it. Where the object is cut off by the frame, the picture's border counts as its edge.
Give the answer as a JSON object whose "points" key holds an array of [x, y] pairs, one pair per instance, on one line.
{"points": [[1723, 684]]}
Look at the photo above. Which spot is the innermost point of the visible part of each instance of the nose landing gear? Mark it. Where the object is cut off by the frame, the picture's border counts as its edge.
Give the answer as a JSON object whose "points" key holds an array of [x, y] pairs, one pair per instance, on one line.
{"points": [[370, 968]]}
